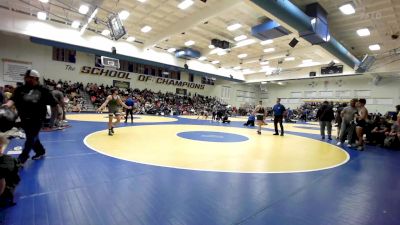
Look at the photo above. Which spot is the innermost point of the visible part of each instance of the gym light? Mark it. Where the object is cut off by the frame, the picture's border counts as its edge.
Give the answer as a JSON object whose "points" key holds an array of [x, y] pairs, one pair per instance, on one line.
{"points": [[75, 24], [189, 43], [266, 42], [185, 4], [44, 1], [123, 15], [105, 32], [83, 9], [363, 32], [245, 42], [241, 56], [130, 39], [240, 38], [211, 46], [146, 29], [42, 15], [220, 53], [290, 58], [202, 58], [347, 9], [375, 47], [264, 63], [171, 50], [215, 62], [234, 27], [269, 49]]}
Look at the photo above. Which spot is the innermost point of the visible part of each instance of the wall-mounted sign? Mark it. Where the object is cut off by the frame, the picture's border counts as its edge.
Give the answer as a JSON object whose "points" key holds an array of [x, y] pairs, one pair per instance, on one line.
{"points": [[181, 91], [166, 81], [121, 84], [12, 70], [105, 72]]}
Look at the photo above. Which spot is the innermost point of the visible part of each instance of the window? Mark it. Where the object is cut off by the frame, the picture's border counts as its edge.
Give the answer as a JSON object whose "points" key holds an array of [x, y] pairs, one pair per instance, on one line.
{"points": [[226, 92], [206, 80], [124, 65], [175, 75], [191, 77], [64, 55]]}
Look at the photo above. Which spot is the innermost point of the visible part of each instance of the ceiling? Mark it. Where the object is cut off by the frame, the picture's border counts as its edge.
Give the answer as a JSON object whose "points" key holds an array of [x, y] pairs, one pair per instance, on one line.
{"points": [[381, 17], [203, 21]]}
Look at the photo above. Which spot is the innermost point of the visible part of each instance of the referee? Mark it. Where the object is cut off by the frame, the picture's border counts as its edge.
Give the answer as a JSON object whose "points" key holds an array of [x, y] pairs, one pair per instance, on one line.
{"points": [[278, 112]]}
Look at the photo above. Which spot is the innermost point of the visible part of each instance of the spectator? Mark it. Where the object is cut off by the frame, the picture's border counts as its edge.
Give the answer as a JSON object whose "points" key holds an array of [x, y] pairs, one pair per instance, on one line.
{"points": [[250, 120], [346, 128], [361, 122], [392, 139], [379, 131], [9, 177], [325, 116], [31, 100]]}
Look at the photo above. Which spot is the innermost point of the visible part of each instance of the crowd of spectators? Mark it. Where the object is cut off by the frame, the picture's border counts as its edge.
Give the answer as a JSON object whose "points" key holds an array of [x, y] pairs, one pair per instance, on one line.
{"points": [[150, 102], [73, 99], [381, 130]]}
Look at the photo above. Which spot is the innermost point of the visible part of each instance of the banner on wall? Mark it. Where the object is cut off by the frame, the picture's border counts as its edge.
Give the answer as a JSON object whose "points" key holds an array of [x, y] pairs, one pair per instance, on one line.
{"points": [[12, 70], [166, 81], [121, 84]]}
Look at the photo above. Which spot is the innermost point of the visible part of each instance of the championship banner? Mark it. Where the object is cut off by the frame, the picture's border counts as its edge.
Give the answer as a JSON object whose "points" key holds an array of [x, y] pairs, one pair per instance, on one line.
{"points": [[12, 70]]}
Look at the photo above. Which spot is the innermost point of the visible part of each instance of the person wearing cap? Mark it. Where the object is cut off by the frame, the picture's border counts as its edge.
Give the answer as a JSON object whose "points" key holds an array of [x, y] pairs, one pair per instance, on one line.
{"points": [[31, 100]]}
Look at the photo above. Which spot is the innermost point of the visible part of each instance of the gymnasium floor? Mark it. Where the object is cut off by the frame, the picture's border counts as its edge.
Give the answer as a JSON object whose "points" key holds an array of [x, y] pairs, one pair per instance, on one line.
{"points": [[183, 171]]}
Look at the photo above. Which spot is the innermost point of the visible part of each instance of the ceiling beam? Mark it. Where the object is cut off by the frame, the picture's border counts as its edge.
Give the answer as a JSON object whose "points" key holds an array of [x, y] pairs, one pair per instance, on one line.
{"points": [[200, 16]]}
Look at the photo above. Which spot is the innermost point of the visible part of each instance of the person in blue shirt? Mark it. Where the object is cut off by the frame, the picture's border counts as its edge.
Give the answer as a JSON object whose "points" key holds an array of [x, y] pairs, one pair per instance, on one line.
{"points": [[278, 111], [250, 120], [129, 102]]}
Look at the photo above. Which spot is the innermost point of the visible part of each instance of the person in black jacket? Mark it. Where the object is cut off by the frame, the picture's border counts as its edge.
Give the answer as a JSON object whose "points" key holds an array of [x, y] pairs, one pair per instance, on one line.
{"points": [[325, 116], [31, 100]]}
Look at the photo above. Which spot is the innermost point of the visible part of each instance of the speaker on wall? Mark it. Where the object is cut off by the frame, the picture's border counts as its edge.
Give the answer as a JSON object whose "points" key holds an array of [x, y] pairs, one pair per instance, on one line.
{"points": [[114, 50], [225, 44], [293, 42], [216, 42], [313, 74]]}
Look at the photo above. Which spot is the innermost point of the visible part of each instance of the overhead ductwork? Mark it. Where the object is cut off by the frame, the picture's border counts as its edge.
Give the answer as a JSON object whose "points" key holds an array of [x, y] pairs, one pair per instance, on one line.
{"points": [[187, 53], [269, 30], [286, 11]]}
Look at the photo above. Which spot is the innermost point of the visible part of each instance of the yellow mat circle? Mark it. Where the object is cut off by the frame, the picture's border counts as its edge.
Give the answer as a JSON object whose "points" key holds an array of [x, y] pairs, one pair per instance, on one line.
{"points": [[160, 145], [103, 117]]}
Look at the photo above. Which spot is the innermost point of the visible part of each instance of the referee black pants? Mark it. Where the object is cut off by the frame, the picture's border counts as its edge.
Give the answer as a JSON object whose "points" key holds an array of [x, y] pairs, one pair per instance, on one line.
{"points": [[278, 119]]}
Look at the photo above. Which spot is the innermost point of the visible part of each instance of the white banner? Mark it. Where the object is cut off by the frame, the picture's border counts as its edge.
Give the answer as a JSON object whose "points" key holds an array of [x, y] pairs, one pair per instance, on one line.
{"points": [[12, 70]]}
